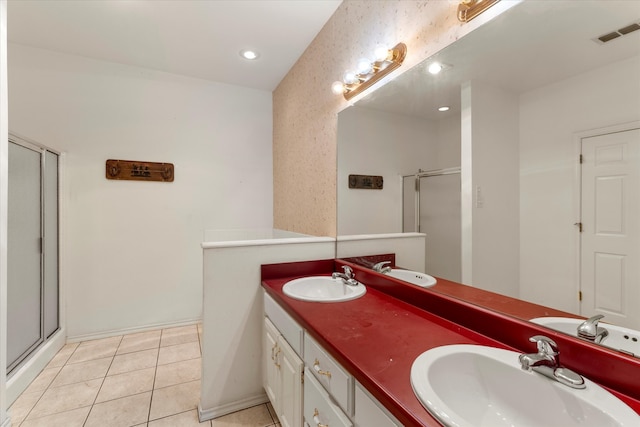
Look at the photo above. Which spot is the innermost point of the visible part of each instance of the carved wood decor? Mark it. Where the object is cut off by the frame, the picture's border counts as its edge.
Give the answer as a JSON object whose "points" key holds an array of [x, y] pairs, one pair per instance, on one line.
{"points": [[368, 182], [139, 171]]}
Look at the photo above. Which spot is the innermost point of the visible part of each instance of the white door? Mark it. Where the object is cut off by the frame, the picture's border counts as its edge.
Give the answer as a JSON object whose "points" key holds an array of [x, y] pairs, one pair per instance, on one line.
{"points": [[610, 241]]}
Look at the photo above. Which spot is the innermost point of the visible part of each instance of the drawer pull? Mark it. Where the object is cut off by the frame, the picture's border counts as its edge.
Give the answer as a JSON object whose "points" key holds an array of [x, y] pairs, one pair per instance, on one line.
{"points": [[275, 360], [273, 357], [316, 418], [316, 367]]}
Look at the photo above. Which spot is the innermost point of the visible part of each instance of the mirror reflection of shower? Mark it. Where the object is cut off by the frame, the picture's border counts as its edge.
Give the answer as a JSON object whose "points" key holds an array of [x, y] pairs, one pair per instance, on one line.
{"points": [[431, 205]]}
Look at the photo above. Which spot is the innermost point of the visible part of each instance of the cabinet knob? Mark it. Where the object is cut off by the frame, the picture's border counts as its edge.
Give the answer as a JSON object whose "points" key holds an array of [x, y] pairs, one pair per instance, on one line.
{"points": [[316, 367], [316, 418]]}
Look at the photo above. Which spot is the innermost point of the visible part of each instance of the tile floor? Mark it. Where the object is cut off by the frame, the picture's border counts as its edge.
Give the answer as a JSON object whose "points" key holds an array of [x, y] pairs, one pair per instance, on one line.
{"points": [[148, 379]]}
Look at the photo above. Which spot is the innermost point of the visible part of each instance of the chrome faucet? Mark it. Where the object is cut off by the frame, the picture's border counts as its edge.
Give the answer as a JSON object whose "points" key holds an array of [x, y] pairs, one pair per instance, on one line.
{"points": [[547, 362], [590, 331], [348, 278], [382, 267]]}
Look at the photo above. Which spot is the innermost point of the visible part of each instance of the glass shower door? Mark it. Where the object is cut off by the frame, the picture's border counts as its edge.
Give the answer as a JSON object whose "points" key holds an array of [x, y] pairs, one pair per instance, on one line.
{"points": [[24, 265]]}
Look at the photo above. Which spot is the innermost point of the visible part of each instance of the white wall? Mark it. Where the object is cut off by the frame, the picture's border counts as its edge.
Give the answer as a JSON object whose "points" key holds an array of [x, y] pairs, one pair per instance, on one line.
{"points": [[490, 188], [132, 255], [549, 118], [4, 134], [233, 317], [373, 142]]}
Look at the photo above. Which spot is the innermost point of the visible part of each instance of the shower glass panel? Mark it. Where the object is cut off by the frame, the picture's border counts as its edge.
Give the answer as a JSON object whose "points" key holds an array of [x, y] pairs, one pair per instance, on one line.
{"points": [[433, 198], [24, 291], [50, 255], [440, 221]]}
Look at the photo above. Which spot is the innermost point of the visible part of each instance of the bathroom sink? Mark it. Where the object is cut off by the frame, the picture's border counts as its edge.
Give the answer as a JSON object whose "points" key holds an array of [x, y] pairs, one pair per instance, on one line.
{"points": [[413, 277], [322, 289], [619, 338], [471, 385]]}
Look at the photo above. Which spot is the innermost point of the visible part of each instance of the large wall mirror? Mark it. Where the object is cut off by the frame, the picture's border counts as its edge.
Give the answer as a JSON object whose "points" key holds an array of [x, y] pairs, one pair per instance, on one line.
{"points": [[495, 181]]}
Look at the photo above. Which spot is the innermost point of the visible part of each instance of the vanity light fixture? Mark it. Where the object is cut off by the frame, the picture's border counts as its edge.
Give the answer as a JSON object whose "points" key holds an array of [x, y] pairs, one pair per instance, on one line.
{"points": [[435, 68], [469, 9], [369, 72]]}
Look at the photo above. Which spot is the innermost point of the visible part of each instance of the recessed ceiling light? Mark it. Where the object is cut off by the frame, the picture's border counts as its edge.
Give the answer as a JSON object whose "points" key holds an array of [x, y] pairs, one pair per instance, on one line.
{"points": [[249, 54], [443, 108], [435, 68]]}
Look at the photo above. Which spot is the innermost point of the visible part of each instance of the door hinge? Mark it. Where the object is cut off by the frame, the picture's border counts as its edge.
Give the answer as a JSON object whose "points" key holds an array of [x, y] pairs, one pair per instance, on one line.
{"points": [[579, 295], [302, 377], [581, 159], [579, 225], [40, 244]]}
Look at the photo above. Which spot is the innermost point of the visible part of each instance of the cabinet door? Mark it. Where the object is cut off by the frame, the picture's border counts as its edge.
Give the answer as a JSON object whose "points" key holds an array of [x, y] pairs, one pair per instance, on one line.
{"points": [[271, 371], [369, 412], [291, 368]]}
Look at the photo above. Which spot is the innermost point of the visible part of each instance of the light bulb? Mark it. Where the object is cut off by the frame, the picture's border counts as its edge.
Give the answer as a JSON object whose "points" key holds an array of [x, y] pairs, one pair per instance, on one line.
{"points": [[337, 87], [349, 77], [435, 68], [381, 53], [364, 66], [443, 108]]}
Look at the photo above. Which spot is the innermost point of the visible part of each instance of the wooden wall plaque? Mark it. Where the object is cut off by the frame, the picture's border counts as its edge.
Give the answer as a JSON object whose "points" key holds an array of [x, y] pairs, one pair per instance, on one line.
{"points": [[368, 182], [139, 171]]}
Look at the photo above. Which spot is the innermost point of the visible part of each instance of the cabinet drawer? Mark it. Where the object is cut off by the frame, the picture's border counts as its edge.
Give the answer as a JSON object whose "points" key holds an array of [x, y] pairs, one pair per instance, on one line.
{"points": [[290, 330], [330, 374], [319, 410]]}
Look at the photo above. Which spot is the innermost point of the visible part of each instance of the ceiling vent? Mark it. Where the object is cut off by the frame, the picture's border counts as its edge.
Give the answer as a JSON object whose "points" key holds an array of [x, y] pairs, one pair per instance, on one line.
{"points": [[619, 33]]}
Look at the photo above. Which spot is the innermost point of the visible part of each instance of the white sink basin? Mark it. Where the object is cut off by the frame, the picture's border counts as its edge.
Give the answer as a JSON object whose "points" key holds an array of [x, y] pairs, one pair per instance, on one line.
{"points": [[619, 338], [477, 386], [414, 277], [322, 289]]}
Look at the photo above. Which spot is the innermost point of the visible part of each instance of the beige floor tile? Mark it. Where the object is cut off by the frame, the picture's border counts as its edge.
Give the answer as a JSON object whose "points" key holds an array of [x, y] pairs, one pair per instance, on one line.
{"points": [[174, 400], [180, 335], [140, 341], [63, 355], [127, 384], [134, 361], [43, 380], [185, 419], [257, 416], [125, 412], [177, 373], [73, 418], [178, 353], [83, 371], [66, 398], [98, 349], [23, 405]]}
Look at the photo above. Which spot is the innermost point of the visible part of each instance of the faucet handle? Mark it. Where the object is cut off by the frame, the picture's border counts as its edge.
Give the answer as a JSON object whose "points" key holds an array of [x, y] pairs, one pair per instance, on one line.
{"points": [[589, 328], [380, 265], [348, 271], [545, 345]]}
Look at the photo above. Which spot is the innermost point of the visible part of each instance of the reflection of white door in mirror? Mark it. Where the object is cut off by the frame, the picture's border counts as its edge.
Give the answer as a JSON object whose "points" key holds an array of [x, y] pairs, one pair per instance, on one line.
{"points": [[610, 240]]}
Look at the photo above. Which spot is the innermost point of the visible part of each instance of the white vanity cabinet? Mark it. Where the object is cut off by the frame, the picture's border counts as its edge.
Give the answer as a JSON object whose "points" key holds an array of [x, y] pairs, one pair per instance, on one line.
{"points": [[282, 369]]}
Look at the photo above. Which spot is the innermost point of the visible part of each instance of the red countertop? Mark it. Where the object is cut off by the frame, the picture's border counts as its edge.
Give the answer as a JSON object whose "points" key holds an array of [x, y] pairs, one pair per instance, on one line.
{"points": [[378, 336]]}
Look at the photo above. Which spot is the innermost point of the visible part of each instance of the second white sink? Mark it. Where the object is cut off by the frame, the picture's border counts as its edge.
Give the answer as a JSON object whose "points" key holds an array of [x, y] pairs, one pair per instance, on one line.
{"points": [[619, 338], [477, 386], [322, 289]]}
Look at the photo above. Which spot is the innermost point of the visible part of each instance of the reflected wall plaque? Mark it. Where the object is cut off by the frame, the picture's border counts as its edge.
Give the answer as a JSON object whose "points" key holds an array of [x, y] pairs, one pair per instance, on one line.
{"points": [[139, 171], [367, 182]]}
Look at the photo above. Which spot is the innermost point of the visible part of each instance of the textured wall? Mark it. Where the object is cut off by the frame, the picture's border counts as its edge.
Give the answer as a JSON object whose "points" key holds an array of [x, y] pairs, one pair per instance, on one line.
{"points": [[305, 111]]}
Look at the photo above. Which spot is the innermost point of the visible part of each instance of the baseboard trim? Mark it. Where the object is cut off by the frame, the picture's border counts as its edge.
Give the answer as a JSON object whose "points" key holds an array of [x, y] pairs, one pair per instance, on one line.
{"points": [[125, 331], [238, 405]]}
